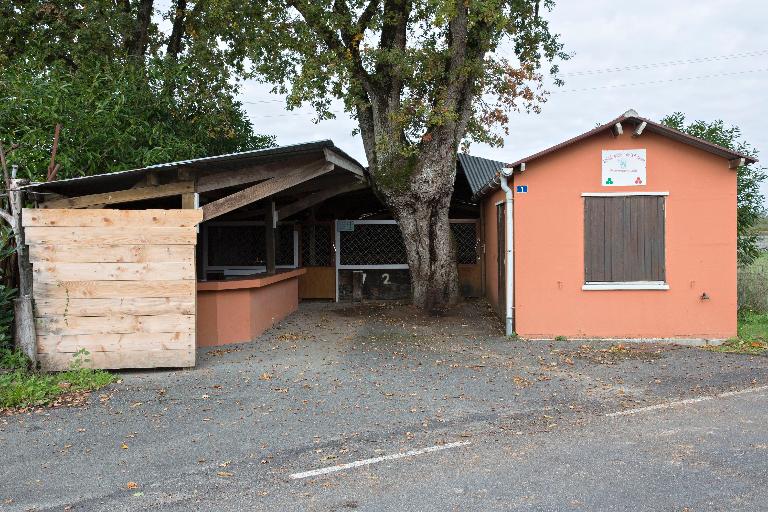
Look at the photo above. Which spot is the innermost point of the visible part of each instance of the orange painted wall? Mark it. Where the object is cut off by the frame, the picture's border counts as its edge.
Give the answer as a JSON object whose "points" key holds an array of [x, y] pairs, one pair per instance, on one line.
{"points": [[549, 245], [238, 311]]}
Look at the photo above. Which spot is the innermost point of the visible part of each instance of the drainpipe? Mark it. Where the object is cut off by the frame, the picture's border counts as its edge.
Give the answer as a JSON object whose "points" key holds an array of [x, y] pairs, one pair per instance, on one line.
{"points": [[509, 239]]}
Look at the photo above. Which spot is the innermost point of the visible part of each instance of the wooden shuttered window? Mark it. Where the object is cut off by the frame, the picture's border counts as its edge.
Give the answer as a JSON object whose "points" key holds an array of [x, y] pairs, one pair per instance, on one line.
{"points": [[624, 239]]}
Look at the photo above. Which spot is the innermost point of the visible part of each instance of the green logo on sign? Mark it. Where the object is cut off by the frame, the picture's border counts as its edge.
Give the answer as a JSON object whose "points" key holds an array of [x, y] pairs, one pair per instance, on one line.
{"points": [[609, 181]]}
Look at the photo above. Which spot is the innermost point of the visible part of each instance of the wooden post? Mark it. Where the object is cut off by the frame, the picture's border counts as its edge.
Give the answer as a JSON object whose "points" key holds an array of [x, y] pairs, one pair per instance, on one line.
{"points": [[189, 201], [26, 338], [269, 237]]}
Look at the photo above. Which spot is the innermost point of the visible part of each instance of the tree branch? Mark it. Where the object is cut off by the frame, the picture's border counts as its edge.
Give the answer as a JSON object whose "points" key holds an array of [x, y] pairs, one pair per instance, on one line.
{"points": [[331, 40], [179, 26], [138, 40], [7, 218]]}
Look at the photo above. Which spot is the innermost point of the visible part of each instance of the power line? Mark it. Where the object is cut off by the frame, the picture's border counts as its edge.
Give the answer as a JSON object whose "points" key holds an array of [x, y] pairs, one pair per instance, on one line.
{"points": [[669, 63], [558, 91], [664, 81]]}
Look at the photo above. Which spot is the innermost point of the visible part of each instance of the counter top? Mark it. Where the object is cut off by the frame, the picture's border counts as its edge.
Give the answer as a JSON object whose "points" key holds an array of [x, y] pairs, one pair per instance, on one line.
{"points": [[240, 283]]}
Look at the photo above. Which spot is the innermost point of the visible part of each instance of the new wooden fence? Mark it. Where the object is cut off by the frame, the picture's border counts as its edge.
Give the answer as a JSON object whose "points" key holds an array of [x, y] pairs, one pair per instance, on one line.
{"points": [[118, 283]]}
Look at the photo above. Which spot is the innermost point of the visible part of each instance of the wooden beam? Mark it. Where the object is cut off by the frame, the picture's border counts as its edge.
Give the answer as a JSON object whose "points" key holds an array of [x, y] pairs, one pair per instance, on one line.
{"points": [[250, 174], [190, 201], [262, 190], [123, 196], [617, 129], [736, 163], [343, 162], [316, 198], [269, 224], [639, 130]]}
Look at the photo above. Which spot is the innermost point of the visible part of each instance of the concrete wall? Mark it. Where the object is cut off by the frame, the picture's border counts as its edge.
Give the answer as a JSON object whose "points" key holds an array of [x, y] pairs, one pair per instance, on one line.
{"points": [[239, 310], [549, 245]]}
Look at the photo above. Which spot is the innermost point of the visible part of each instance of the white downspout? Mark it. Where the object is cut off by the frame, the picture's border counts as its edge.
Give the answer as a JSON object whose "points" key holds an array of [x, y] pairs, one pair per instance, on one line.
{"points": [[509, 238]]}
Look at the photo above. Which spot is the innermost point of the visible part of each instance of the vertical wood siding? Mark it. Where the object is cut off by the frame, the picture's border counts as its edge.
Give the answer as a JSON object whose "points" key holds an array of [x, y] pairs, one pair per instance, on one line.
{"points": [[624, 239]]}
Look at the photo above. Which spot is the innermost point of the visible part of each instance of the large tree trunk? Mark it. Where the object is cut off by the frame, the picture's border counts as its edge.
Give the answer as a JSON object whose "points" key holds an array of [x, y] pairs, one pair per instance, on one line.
{"points": [[431, 252], [422, 213]]}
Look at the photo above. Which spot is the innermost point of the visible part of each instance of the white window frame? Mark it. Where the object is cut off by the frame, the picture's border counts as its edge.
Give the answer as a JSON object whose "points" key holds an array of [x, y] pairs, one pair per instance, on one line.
{"points": [[629, 285]]}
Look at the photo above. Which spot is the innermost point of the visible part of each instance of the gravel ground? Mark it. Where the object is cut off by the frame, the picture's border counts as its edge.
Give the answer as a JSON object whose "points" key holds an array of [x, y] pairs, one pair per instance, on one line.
{"points": [[338, 383]]}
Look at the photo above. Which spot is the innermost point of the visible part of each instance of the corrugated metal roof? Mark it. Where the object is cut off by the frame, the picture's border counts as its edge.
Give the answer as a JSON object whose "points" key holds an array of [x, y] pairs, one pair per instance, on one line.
{"points": [[201, 163], [633, 117], [478, 171]]}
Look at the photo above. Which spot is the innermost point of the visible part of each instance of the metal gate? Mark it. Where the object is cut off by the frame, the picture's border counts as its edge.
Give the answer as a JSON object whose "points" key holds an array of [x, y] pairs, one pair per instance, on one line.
{"points": [[376, 248]]}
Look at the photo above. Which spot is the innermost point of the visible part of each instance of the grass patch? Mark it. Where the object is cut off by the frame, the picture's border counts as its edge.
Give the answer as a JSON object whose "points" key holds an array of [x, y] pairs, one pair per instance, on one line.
{"points": [[21, 387], [752, 335]]}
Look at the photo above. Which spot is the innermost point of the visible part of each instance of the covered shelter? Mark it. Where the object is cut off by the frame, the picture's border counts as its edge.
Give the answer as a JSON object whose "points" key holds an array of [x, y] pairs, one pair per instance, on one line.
{"points": [[141, 267]]}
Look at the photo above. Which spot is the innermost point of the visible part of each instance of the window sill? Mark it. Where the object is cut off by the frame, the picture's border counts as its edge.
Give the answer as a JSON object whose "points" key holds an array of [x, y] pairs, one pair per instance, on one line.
{"points": [[633, 285]]}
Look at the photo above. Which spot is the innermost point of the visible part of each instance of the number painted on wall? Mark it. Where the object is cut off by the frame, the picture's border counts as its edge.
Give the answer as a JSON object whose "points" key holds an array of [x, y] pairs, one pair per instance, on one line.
{"points": [[385, 278]]}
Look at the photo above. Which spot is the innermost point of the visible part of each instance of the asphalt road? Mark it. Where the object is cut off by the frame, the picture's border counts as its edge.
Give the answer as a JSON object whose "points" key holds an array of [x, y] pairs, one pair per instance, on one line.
{"points": [[337, 386]]}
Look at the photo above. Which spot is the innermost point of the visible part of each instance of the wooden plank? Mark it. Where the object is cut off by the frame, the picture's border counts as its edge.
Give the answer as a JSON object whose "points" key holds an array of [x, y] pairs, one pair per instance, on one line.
{"points": [[165, 271], [55, 343], [262, 190], [317, 198], [123, 196], [111, 236], [594, 250], [318, 283], [115, 324], [110, 218], [124, 359], [662, 238], [112, 289], [617, 238], [343, 162], [77, 253], [115, 306]]}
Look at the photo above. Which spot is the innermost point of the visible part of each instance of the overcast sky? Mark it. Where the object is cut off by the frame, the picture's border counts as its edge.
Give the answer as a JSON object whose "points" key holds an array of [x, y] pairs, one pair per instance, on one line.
{"points": [[706, 58]]}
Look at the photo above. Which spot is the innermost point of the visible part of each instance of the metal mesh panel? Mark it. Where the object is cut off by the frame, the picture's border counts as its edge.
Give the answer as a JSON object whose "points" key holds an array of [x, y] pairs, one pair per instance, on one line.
{"points": [[235, 246], [372, 244], [317, 245], [465, 234], [245, 246]]}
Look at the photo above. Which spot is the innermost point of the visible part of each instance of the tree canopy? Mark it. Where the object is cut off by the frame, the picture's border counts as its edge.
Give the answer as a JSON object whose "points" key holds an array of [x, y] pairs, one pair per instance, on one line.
{"points": [[421, 77], [126, 93], [749, 198]]}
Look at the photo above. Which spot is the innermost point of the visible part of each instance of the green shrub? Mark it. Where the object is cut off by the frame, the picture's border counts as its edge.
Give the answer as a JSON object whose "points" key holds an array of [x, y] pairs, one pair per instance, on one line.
{"points": [[753, 286], [20, 387], [6, 316]]}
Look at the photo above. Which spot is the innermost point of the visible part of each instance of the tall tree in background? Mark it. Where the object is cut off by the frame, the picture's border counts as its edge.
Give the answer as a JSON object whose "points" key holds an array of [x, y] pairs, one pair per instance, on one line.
{"points": [[421, 77], [126, 93], [749, 198]]}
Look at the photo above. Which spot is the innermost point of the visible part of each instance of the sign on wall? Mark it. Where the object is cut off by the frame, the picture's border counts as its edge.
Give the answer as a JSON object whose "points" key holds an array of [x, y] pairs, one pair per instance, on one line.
{"points": [[624, 167]]}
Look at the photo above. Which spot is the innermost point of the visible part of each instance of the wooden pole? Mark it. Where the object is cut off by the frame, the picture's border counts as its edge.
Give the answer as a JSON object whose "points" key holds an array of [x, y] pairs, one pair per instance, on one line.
{"points": [[26, 338], [269, 232]]}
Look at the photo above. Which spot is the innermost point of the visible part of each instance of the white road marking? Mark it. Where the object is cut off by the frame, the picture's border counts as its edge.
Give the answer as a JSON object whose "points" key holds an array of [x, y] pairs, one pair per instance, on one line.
{"points": [[366, 462], [687, 401]]}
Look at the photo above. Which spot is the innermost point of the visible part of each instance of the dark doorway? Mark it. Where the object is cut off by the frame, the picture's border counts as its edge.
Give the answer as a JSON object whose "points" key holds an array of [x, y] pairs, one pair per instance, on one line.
{"points": [[501, 256]]}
